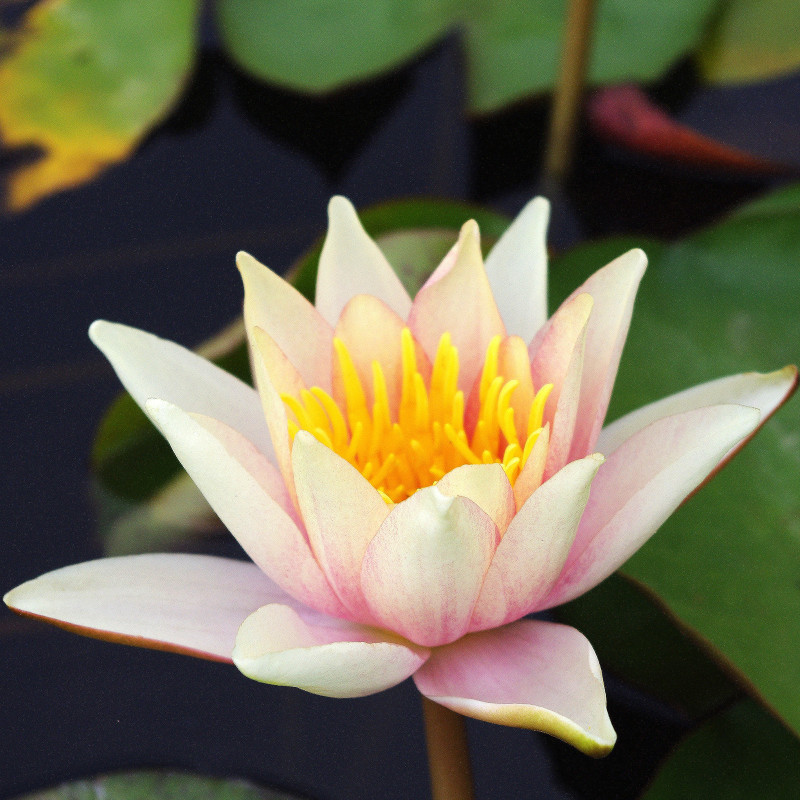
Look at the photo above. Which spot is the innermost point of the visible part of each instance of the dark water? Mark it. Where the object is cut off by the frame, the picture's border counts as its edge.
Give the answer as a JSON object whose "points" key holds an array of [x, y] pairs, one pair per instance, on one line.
{"points": [[151, 243]]}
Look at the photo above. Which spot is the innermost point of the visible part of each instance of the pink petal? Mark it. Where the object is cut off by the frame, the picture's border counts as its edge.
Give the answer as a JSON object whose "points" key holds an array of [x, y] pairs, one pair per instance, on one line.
{"points": [[323, 655], [423, 570], [371, 331], [238, 484], [532, 554], [150, 367], [487, 486], [766, 392], [342, 512], [613, 289], [513, 363], [461, 302], [641, 484], [517, 270], [351, 263], [530, 674], [185, 603], [275, 306], [558, 357]]}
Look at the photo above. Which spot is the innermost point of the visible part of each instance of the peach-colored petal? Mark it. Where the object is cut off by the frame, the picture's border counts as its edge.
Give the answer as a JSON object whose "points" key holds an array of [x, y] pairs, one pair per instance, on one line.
{"points": [[423, 569], [532, 554], [517, 270], [321, 654], [558, 357], [461, 302], [766, 392], [641, 484], [531, 476], [190, 604], [487, 486], [275, 306], [530, 674], [237, 481], [613, 289], [351, 263], [151, 367], [513, 363], [342, 512], [371, 331]]}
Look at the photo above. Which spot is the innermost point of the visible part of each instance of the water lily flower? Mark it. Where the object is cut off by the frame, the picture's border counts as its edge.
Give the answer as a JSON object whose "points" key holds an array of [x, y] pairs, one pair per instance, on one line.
{"points": [[411, 479]]}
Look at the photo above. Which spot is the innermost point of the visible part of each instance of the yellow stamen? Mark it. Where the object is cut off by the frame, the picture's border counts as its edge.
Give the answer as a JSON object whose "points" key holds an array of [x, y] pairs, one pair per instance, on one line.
{"points": [[428, 435]]}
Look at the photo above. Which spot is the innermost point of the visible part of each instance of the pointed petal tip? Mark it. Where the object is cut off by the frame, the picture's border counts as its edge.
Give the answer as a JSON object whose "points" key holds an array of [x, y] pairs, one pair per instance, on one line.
{"points": [[339, 206]]}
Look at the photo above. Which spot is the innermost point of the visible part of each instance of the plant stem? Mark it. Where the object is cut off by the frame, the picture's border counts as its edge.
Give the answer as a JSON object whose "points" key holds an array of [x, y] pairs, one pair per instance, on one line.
{"points": [[568, 92], [448, 754]]}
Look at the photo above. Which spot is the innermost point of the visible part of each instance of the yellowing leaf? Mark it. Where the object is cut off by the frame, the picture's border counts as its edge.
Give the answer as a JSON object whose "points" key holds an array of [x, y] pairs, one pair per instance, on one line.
{"points": [[84, 80]]}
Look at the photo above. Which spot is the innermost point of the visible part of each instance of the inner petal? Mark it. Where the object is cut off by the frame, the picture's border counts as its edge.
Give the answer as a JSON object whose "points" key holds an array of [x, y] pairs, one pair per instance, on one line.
{"points": [[406, 446]]}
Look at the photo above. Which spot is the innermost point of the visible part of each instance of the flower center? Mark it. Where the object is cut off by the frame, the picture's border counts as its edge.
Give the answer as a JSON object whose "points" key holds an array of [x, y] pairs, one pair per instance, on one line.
{"points": [[428, 437]]}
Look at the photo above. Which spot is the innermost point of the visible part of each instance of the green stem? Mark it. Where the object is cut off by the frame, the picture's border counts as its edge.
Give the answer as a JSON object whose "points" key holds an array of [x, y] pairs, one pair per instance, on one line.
{"points": [[448, 753], [568, 91]]}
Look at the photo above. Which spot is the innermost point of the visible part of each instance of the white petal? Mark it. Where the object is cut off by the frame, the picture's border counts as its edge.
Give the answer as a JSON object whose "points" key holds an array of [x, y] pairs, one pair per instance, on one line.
{"points": [[351, 263], [517, 270], [187, 603], [322, 655], [150, 367]]}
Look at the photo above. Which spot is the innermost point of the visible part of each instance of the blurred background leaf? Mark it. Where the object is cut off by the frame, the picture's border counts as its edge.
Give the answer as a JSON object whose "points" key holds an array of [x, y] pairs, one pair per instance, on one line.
{"points": [[84, 80], [158, 785]]}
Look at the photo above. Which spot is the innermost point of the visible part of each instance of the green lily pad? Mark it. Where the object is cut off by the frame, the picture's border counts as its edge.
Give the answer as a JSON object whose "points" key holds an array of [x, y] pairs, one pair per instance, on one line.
{"points": [[158, 785], [726, 565], [512, 49], [84, 80], [752, 40], [740, 755]]}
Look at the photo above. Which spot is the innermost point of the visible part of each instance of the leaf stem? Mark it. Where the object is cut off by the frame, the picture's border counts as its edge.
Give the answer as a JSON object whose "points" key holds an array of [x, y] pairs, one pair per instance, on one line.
{"points": [[568, 91], [448, 753]]}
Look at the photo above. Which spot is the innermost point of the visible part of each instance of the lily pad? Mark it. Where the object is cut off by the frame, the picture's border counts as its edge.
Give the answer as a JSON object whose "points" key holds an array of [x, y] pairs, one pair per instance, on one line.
{"points": [[512, 49], [158, 785], [84, 80], [726, 565], [741, 754]]}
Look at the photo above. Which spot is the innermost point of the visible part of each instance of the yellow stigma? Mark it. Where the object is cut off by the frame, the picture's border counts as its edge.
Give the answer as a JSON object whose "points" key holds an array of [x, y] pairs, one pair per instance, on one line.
{"points": [[428, 438]]}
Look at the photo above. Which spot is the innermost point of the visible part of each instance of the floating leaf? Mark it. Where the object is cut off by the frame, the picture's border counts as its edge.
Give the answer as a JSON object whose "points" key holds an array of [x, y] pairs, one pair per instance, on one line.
{"points": [[752, 40], [512, 49], [84, 80], [739, 755], [158, 785], [727, 563]]}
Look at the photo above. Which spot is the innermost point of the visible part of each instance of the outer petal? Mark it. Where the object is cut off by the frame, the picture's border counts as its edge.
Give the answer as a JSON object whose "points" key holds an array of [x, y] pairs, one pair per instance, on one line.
{"points": [[322, 655], [532, 554], [613, 289], [351, 263], [275, 306], [487, 486], [423, 570], [517, 270], [641, 484], [766, 392], [558, 357], [342, 512], [187, 603], [150, 367], [529, 674], [460, 302], [235, 480]]}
